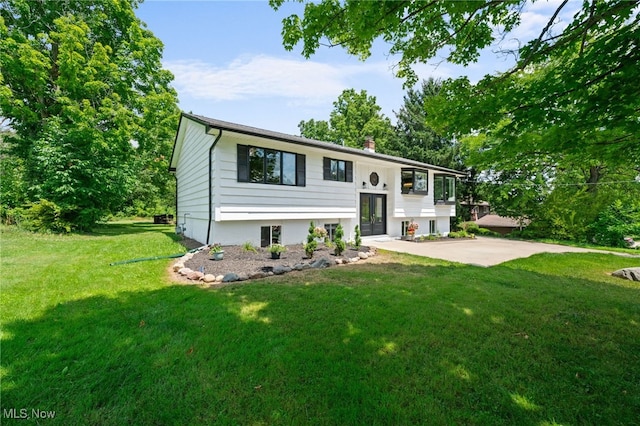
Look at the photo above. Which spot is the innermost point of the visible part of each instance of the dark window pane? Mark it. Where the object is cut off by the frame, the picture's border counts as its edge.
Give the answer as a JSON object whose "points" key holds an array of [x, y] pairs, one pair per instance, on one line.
{"points": [[407, 181], [438, 188], [288, 168], [256, 164], [334, 169], [273, 166], [365, 210], [420, 181], [276, 232], [341, 171], [265, 236], [450, 189]]}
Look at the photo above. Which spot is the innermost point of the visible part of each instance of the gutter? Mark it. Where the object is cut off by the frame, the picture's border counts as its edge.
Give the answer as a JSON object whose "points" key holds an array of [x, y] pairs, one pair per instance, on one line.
{"points": [[211, 181]]}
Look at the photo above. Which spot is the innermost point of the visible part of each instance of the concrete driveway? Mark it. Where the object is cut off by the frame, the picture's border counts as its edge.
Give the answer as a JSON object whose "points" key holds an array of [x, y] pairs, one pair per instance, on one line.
{"points": [[480, 251]]}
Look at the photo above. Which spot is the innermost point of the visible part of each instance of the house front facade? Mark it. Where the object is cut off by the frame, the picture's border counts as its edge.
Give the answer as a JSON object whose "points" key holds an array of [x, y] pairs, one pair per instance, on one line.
{"points": [[238, 184]]}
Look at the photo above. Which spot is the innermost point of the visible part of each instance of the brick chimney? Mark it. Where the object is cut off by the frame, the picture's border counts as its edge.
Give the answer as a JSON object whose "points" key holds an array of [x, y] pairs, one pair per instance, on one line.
{"points": [[369, 144]]}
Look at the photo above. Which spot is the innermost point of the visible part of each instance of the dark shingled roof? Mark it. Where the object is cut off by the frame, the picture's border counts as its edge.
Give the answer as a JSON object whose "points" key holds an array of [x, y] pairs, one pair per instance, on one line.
{"points": [[495, 221], [211, 123]]}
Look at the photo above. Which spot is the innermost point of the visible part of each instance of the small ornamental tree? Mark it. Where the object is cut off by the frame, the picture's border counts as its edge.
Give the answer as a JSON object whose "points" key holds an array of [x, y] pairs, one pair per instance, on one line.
{"points": [[338, 241], [311, 244], [358, 239]]}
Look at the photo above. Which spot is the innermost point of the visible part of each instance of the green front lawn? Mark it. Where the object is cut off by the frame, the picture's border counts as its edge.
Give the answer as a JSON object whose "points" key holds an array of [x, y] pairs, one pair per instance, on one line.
{"points": [[552, 339]]}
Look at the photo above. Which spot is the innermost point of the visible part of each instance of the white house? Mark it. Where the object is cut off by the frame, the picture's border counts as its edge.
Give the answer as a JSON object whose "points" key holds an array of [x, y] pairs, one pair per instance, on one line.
{"points": [[238, 184]]}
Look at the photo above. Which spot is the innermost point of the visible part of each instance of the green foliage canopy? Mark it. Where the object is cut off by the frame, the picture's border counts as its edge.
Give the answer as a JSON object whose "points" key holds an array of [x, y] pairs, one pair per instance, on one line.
{"points": [[556, 137], [86, 95], [581, 84], [414, 139], [355, 117]]}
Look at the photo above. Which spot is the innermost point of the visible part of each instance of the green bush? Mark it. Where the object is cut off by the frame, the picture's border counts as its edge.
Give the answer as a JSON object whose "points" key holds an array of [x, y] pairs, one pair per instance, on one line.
{"points": [[486, 232], [469, 227], [358, 241], [44, 216], [461, 234], [311, 244], [338, 241], [613, 224]]}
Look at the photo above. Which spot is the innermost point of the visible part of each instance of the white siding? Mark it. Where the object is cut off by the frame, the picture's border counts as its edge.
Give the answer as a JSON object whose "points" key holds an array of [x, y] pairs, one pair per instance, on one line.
{"points": [[192, 176], [318, 198], [240, 209]]}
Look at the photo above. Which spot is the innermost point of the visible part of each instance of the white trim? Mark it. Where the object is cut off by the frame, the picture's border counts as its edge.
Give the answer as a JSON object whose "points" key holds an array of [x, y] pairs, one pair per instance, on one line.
{"points": [[423, 212], [227, 213]]}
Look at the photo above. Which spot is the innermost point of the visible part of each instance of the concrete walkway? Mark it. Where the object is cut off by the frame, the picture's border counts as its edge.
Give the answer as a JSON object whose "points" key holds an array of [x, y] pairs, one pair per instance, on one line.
{"points": [[480, 251]]}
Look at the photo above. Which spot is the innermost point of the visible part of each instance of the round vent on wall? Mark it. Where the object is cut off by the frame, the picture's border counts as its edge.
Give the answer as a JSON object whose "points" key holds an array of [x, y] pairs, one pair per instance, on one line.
{"points": [[374, 179]]}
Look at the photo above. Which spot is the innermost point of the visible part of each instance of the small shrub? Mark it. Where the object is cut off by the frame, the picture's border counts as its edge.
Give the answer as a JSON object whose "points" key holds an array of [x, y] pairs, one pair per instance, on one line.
{"points": [[248, 246], [338, 241], [311, 243], [277, 248], [319, 232], [215, 248], [358, 241], [461, 234], [310, 247]]}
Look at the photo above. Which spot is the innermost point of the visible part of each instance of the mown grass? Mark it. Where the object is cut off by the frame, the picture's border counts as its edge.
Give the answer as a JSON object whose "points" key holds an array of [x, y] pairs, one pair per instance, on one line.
{"points": [[551, 339]]}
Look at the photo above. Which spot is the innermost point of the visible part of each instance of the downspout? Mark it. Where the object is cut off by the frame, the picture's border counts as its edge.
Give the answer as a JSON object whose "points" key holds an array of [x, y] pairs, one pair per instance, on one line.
{"points": [[176, 178], [211, 184]]}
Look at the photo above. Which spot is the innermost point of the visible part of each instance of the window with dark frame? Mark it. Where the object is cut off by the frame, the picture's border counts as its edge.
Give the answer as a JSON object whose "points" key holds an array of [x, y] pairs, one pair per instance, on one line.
{"points": [[270, 166], [270, 235], [337, 170], [405, 225], [414, 181], [444, 189]]}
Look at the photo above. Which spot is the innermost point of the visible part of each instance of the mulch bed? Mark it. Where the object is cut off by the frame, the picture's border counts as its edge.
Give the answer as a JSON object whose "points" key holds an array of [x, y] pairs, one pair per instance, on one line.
{"points": [[238, 261]]}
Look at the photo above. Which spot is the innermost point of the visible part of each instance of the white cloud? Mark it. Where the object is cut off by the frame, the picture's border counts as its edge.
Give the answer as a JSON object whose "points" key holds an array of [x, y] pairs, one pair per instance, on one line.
{"points": [[300, 82]]}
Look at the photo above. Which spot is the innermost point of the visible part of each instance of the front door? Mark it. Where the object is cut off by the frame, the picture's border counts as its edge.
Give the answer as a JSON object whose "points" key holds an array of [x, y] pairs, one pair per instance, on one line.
{"points": [[373, 214]]}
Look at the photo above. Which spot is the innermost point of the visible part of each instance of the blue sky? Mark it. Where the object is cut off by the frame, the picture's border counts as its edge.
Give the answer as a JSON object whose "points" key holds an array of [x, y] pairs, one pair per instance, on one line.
{"points": [[229, 63]]}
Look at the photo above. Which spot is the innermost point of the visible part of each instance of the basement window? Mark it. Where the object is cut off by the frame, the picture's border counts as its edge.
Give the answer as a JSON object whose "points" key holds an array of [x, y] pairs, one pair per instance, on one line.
{"points": [[270, 235]]}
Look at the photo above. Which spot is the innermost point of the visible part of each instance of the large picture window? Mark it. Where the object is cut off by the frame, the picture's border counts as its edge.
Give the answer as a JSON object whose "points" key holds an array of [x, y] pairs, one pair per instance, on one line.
{"points": [[338, 170], [263, 165], [444, 189], [414, 181]]}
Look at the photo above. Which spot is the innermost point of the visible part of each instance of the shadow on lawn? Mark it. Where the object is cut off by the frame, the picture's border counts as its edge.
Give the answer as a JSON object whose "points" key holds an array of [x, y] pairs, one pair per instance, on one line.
{"points": [[355, 351]]}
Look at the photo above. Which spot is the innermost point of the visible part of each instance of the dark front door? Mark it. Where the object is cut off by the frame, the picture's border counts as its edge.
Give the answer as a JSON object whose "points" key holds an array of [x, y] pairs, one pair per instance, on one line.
{"points": [[373, 214]]}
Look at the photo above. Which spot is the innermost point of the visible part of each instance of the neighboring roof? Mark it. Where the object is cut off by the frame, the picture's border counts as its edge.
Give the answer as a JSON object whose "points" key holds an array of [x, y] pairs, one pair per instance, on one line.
{"points": [[211, 123], [475, 203], [495, 221]]}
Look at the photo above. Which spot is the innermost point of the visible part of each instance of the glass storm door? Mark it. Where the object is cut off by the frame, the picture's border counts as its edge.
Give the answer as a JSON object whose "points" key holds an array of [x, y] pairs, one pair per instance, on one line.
{"points": [[373, 214]]}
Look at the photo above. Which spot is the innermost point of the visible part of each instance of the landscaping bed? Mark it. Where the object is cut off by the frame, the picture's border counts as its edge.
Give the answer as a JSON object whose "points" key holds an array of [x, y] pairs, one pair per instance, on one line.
{"points": [[240, 264]]}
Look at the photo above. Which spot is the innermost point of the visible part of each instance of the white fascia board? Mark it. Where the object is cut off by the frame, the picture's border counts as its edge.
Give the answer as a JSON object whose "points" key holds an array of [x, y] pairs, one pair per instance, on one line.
{"points": [[446, 209], [228, 213], [424, 212]]}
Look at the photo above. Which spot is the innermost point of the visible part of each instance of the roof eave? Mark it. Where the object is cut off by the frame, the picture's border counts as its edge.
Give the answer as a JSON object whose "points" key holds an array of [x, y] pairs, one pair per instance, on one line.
{"points": [[299, 140]]}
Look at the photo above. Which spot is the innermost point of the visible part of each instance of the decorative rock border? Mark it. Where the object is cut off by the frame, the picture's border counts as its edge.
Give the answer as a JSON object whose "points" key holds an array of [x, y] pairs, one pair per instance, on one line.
{"points": [[320, 263]]}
